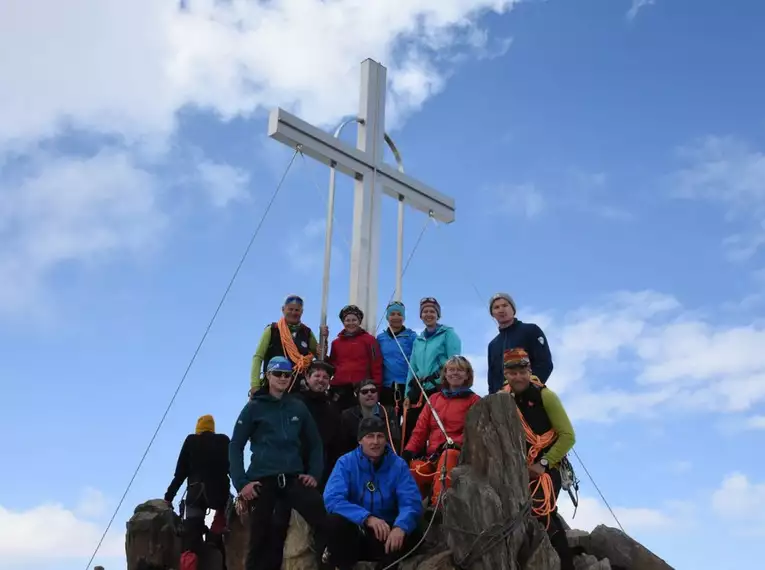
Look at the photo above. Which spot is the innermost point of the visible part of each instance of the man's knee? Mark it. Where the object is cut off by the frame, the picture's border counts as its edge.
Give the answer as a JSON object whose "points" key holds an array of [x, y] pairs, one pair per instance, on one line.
{"points": [[309, 503]]}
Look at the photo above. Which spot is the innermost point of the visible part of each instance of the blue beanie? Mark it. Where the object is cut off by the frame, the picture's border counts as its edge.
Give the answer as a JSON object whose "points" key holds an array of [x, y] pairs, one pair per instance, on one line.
{"points": [[396, 306]]}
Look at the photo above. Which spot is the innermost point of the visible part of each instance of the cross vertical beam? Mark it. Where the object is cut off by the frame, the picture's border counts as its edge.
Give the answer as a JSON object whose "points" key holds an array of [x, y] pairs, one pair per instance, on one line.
{"points": [[365, 243], [372, 176]]}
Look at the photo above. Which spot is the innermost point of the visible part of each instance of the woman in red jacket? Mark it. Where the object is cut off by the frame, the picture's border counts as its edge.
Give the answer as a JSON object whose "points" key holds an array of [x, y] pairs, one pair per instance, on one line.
{"points": [[451, 404], [356, 356]]}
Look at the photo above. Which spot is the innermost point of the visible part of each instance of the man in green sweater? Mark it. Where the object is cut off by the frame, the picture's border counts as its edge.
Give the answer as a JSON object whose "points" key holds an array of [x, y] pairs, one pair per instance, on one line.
{"points": [[287, 337], [286, 463], [549, 437]]}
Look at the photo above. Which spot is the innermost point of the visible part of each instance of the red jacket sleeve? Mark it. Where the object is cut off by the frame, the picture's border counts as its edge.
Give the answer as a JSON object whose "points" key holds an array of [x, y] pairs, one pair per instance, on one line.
{"points": [[419, 437], [377, 361]]}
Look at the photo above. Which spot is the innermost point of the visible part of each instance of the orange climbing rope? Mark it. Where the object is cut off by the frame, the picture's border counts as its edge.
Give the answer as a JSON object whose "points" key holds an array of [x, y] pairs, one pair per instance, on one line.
{"points": [[387, 424], [546, 505], [300, 361]]}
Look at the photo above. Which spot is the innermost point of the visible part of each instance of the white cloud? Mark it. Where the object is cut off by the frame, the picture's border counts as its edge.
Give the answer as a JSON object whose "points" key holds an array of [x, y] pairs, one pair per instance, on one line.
{"points": [[741, 501], [592, 512], [638, 5], [123, 70], [234, 58], [222, 182], [522, 200], [92, 504], [302, 248], [59, 209], [50, 532], [755, 422], [727, 172], [636, 352]]}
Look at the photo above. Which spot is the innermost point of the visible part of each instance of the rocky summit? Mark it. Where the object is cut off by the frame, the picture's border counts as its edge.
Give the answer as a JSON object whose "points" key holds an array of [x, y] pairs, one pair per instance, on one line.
{"points": [[484, 523]]}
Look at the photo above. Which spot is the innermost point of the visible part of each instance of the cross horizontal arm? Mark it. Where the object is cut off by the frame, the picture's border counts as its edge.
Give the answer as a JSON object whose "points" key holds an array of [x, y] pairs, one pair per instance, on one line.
{"points": [[322, 146]]}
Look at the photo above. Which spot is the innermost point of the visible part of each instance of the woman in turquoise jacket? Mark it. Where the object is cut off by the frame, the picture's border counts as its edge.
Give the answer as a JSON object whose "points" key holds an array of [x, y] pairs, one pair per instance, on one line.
{"points": [[432, 348]]}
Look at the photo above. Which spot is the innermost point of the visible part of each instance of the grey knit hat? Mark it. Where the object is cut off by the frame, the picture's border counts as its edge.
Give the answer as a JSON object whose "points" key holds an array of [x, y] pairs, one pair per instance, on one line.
{"points": [[506, 297]]}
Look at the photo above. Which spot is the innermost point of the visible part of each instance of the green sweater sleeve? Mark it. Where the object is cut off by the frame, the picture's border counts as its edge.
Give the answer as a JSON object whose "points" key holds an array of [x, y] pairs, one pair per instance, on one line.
{"points": [[561, 424], [257, 359], [313, 345]]}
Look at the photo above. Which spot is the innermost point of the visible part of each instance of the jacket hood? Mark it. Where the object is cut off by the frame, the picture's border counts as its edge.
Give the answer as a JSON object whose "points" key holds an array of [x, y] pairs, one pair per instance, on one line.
{"points": [[440, 329], [387, 459]]}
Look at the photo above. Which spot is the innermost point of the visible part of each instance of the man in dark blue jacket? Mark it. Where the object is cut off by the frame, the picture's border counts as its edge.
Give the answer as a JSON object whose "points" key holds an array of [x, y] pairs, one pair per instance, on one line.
{"points": [[278, 426], [515, 334], [373, 503]]}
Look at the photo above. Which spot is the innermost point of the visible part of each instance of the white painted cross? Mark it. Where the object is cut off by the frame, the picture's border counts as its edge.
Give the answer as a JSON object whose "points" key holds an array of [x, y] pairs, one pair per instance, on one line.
{"points": [[372, 177]]}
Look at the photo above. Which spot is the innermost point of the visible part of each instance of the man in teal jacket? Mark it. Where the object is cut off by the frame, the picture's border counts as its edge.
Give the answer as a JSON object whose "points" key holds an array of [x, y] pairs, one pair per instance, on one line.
{"points": [[278, 426]]}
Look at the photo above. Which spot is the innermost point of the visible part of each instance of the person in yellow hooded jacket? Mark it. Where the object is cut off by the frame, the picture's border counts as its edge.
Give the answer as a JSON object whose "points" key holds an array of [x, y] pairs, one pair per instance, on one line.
{"points": [[549, 437]]}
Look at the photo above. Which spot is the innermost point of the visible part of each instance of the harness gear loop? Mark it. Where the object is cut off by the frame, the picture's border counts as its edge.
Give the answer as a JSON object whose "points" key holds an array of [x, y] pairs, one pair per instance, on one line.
{"points": [[281, 480]]}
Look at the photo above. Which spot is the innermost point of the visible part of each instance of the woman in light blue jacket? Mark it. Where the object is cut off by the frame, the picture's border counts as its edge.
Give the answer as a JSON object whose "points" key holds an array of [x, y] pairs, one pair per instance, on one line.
{"points": [[432, 348]]}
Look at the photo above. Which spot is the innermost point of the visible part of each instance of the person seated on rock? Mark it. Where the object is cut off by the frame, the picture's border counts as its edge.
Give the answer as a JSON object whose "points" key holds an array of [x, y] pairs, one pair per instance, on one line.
{"points": [[396, 343], [356, 356], [326, 415], [549, 437], [432, 469], [289, 338], [515, 334], [369, 406], [280, 430], [203, 463], [431, 349], [373, 505]]}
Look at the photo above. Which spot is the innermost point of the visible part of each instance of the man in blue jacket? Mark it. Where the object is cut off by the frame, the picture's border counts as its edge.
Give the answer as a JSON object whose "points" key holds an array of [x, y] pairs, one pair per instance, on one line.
{"points": [[278, 426], [373, 503], [515, 334], [396, 343]]}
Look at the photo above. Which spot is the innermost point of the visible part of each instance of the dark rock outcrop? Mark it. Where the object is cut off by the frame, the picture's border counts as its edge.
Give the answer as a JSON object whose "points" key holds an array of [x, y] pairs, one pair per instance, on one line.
{"points": [[486, 524], [607, 547], [487, 520]]}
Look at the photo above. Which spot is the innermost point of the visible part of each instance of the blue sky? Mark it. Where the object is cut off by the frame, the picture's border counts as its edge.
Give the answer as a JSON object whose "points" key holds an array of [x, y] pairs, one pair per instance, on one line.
{"points": [[608, 164]]}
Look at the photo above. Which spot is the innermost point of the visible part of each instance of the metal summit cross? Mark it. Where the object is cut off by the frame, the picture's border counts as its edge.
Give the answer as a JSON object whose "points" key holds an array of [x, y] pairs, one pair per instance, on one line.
{"points": [[372, 177]]}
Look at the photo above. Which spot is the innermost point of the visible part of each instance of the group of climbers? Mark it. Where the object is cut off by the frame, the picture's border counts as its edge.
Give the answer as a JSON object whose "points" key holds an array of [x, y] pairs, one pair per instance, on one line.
{"points": [[339, 426]]}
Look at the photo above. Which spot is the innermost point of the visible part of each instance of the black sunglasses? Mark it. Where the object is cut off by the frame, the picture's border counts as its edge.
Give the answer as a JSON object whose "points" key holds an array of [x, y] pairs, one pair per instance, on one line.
{"points": [[366, 391], [281, 374]]}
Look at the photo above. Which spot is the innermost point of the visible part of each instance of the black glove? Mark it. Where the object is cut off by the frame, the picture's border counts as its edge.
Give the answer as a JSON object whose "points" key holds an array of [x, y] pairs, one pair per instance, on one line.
{"points": [[407, 456]]}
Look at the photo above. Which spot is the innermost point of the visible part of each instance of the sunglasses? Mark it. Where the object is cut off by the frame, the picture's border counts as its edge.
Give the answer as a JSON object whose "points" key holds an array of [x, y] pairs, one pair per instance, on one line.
{"points": [[281, 374], [428, 300], [366, 391], [293, 299]]}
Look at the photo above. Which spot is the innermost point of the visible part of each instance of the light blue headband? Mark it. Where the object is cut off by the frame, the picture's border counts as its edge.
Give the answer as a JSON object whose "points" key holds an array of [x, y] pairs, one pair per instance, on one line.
{"points": [[395, 306]]}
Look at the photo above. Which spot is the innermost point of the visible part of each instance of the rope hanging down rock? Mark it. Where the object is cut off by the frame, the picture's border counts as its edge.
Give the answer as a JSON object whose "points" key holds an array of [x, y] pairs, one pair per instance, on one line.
{"points": [[196, 352]]}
